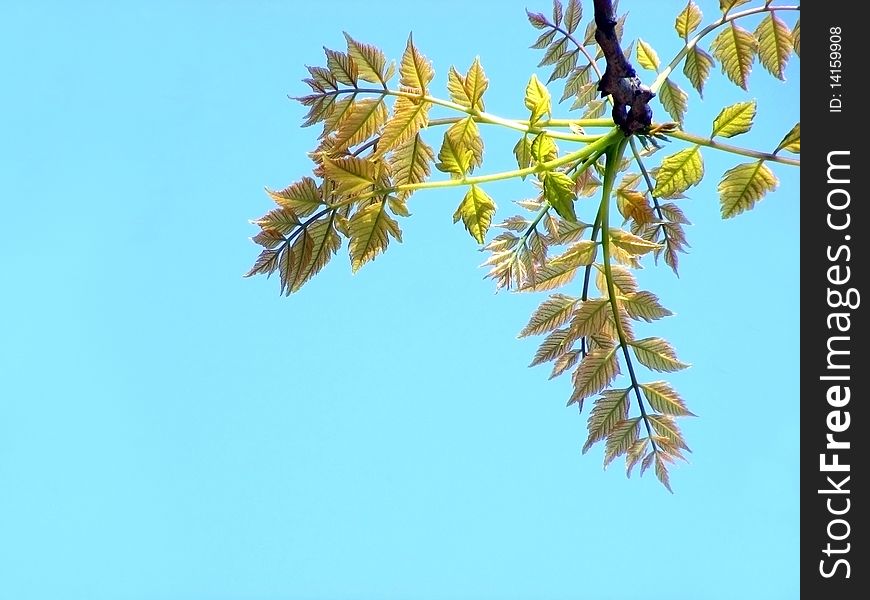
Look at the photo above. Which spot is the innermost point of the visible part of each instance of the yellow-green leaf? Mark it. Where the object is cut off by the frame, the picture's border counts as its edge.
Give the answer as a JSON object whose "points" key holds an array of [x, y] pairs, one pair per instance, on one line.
{"points": [[734, 120], [266, 263], [590, 317], [623, 280], [559, 192], [364, 120], [302, 197], [325, 242], [595, 373], [666, 427], [415, 70], [644, 305], [735, 48], [610, 409], [656, 354], [621, 438], [269, 238], [341, 66], [663, 398], [523, 152], [466, 134], [674, 99], [697, 68], [351, 174], [537, 99], [775, 44], [631, 243], [544, 149], [409, 163], [282, 220], [554, 345], [647, 56], [553, 312], [370, 229], [743, 186], [294, 261], [468, 89], [552, 275], [791, 141], [461, 149], [370, 61], [409, 117], [796, 37], [688, 20], [476, 211], [679, 172], [726, 5]]}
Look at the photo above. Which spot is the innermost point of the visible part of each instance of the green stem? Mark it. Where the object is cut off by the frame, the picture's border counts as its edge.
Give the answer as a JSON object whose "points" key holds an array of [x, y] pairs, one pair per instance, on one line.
{"points": [[659, 81], [531, 130], [702, 141], [614, 157], [595, 147]]}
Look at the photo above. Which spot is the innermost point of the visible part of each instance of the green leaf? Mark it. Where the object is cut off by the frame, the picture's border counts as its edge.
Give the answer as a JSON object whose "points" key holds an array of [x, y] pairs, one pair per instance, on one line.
{"points": [[623, 435], [364, 120], [294, 261], [674, 99], [775, 44], [726, 5], [325, 242], [688, 20], [743, 186], [476, 211], [590, 317], [554, 345], [410, 162], [661, 470], [544, 148], [523, 152], [734, 120], [656, 354], [269, 238], [596, 371], [369, 60], [791, 141], [610, 409], [666, 427], [557, 12], [370, 229], [468, 89], [647, 56], [283, 220], [679, 172], [351, 174], [796, 37], [578, 78], [554, 52], [553, 312], [663, 398], [697, 68], [341, 67], [623, 280], [644, 305], [573, 15], [544, 39], [409, 117], [735, 48], [461, 149], [559, 192], [415, 70], [302, 197], [631, 243], [266, 263], [537, 99]]}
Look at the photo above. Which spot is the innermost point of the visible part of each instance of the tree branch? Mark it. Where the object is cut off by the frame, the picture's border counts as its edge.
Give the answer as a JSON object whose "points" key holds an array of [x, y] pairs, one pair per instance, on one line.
{"points": [[631, 98]]}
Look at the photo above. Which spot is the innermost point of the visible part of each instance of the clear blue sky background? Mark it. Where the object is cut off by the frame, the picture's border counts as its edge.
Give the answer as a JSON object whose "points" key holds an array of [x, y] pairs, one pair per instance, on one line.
{"points": [[169, 430]]}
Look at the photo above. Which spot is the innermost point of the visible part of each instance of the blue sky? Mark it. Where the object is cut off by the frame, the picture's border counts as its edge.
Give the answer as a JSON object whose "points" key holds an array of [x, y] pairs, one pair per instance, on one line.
{"points": [[171, 430]]}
